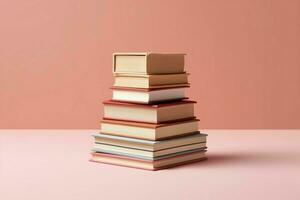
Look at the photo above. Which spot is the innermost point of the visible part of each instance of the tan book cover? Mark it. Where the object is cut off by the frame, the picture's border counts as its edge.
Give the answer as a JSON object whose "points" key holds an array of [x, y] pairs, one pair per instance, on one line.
{"points": [[145, 164], [148, 63], [148, 95], [149, 131], [155, 113], [151, 81]]}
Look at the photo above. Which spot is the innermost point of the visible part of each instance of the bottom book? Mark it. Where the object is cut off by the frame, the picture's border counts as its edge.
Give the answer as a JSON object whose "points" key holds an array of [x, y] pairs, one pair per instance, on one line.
{"points": [[147, 164]]}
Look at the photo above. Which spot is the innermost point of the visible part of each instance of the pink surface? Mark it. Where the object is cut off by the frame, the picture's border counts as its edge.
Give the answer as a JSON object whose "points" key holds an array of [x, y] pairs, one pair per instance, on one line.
{"points": [[39, 164], [243, 56]]}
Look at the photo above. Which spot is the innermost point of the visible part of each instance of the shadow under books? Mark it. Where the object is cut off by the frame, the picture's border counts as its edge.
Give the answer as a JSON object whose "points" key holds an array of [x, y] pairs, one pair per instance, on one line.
{"points": [[253, 158]]}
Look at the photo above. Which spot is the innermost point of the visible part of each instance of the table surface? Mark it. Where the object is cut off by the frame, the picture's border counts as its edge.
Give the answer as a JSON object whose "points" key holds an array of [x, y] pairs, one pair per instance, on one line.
{"points": [[242, 164]]}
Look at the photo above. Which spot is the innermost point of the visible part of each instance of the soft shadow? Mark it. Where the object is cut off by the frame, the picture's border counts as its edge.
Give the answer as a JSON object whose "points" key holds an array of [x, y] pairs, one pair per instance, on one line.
{"points": [[246, 159], [221, 159]]}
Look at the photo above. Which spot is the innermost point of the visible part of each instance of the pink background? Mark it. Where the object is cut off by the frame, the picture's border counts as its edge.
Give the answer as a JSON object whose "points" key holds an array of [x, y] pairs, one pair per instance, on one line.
{"points": [[243, 56]]}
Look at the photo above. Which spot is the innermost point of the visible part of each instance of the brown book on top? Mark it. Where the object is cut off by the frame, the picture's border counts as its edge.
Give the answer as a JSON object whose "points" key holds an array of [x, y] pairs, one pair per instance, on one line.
{"points": [[148, 131], [148, 63], [156, 113]]}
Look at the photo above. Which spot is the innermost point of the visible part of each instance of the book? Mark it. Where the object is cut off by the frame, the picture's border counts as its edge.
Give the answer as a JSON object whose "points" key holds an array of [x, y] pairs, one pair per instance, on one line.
{"points": [[148, 63], [148, 164], [147, 145], [150, 150], [148, 96], [149, 123], [151, 81], [148, 131], [148, 155], [156, 113]]}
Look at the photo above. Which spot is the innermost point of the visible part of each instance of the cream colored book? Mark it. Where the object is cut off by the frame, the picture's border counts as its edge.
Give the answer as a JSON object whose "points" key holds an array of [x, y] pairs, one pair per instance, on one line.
{"points": [[148, 164], [151, 81], [157, 113], [147, 145], [147, 155], [148, 63], [148, 96], [149, 150], [148, 131]]}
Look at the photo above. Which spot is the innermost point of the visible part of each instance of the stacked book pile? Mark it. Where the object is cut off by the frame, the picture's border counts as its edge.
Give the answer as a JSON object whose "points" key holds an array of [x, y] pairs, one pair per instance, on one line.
{"points": [[149, 123]]}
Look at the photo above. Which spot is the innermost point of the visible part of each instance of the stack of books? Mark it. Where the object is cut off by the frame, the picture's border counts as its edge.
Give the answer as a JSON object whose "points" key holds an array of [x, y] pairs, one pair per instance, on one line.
{"points": [[149, 123]]}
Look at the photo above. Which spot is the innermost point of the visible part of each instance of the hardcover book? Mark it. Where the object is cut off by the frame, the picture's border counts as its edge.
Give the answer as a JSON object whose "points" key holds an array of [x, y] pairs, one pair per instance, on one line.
{"points": [[149, 150], [148, 164], [149, 123], [146, 145], [151, 81], [148, 96], [148, 63], [148, 155], [158, 113], [148, 131]]}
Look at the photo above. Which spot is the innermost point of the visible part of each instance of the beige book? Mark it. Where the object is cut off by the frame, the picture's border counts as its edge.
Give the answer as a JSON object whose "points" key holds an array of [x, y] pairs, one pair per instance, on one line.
{"points": [[148, 131], [148, 63], [148, 165], [147, 145], [148, 155], [151, 81], [164, 112], [148, 96]]}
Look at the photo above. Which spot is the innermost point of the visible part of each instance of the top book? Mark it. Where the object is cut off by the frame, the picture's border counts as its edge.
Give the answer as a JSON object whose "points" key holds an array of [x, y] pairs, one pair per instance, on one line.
{"points": [[148, 63]]}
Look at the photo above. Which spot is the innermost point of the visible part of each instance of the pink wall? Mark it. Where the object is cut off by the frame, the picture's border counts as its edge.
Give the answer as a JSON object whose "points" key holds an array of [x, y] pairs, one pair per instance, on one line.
{"points": [[243, 56]]}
